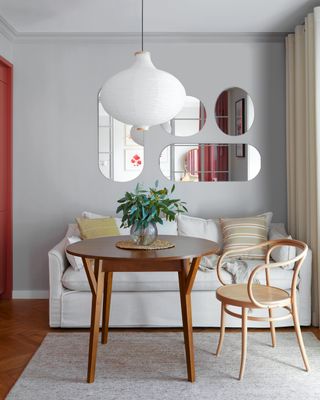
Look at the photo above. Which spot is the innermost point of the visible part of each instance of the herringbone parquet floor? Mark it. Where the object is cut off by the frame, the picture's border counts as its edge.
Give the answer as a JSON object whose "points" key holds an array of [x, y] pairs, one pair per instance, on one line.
{"points": [[23, 326]]}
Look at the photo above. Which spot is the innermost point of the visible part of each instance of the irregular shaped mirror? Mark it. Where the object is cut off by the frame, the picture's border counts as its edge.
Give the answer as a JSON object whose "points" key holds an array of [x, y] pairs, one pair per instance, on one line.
{"points": [[210, 162], [190, 119], [234, 111], [120, 157]]}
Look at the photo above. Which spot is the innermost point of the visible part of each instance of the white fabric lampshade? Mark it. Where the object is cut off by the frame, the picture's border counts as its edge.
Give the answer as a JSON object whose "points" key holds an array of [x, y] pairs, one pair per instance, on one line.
{"points": [[143, 95]]}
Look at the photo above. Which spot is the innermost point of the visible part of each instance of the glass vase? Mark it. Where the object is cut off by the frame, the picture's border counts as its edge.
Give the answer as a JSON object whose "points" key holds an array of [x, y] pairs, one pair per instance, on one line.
{"points": [[144, 236]]}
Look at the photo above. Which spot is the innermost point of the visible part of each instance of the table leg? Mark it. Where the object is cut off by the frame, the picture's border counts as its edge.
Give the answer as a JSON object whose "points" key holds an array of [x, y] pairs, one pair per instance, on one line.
{"points": [[106, 306], [186, 279], [95, 320]]}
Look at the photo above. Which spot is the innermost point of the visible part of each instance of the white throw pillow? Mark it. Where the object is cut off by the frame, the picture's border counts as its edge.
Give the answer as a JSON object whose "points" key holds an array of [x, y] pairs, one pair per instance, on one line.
{"points": [[199, 227], [72, 230], [91, 215], [279, 227], [268, 216], [283, 253], [168, 228], [75, 262]]}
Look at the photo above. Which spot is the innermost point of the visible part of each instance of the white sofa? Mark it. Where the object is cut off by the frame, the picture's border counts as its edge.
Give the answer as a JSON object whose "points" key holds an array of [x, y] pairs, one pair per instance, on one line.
{"points": [[152, 299]]}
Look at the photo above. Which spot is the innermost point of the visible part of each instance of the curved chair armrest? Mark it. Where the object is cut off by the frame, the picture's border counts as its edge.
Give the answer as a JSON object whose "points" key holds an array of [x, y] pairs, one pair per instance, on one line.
{"points": [[297, 259], [273, 244]]}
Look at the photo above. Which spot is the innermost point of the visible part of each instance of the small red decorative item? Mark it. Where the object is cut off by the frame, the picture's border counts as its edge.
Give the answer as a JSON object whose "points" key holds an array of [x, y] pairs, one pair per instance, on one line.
{"points": [[136, 160]]}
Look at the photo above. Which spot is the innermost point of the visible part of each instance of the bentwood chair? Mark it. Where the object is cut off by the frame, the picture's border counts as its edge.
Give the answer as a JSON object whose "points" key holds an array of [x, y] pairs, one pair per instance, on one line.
{"points": [[251, 296]]}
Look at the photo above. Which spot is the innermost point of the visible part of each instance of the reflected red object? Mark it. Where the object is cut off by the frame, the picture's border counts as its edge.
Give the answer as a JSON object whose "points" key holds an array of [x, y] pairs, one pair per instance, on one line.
{"points": [[136, 160]]}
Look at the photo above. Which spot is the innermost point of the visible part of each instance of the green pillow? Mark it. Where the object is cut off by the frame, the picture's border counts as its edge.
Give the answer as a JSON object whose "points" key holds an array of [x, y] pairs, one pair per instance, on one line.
{"points": [[99, 227]]}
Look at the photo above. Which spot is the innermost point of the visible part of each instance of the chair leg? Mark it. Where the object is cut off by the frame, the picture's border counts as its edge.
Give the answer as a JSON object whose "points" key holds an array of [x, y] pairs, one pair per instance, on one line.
{"points": [[222, 330], [244, 342], [299, 336], [272, 329]]}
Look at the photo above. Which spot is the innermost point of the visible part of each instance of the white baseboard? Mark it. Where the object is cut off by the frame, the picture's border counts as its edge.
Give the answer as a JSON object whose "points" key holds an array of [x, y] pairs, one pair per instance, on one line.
{"points": [[30, 294]]}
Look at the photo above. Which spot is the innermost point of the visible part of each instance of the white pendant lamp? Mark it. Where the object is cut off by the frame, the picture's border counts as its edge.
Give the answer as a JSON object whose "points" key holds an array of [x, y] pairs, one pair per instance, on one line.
{"points": [[143, 95]]}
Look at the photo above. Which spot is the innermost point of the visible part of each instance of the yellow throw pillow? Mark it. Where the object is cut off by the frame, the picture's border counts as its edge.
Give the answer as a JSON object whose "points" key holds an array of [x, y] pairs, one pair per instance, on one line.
{"points": [[245, 232], [94, 228]]}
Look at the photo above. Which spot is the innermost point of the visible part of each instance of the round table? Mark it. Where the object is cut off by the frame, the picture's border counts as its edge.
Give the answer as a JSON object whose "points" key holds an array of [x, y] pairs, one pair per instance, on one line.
{"points": [[183, 258]]}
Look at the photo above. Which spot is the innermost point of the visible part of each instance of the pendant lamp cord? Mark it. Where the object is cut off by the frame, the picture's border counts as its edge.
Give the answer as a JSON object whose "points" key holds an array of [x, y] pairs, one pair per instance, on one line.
{"points": [[141, 25]]}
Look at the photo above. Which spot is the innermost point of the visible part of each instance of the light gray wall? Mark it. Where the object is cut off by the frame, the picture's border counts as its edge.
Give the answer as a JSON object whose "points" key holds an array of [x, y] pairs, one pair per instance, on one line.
{"points": [[6, 48], [56, 174]]}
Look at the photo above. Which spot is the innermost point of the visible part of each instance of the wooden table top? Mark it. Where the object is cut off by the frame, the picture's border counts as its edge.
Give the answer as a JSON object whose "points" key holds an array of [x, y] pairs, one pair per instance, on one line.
{"points": [[104, 248]]}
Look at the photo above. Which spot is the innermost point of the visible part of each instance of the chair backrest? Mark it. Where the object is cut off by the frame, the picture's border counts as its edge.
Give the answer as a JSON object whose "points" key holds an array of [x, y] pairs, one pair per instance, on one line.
{"points": [[271, 245]]}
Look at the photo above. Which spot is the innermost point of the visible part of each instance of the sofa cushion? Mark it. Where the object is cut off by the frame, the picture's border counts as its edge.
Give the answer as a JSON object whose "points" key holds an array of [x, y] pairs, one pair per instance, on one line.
{"points": [[95, 228], [199, 227], [92, 215], [168, 281], [244, 232], [75, 262], [72, 230], [279, 227], [268, 215], [209, 228], [283, 253], [167, 228]]}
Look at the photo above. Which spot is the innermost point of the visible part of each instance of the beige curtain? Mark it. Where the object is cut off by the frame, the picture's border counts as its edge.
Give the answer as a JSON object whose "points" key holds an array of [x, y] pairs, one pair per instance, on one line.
{"points": [[303, 141]]}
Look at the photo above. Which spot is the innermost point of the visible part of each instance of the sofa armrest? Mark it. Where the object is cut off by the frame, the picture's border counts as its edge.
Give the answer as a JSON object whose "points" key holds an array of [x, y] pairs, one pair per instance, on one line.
{"points": [[304, 289], [57, 265]]}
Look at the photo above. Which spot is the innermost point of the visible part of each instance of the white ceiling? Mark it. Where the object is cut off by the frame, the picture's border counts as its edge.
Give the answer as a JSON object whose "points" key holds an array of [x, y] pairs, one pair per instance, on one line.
{"points": [[117, 16]]}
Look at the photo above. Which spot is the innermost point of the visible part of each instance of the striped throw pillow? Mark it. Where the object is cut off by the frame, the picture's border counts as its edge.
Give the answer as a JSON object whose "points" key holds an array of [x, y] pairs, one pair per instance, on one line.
{"points": [[244, 232], [99, 227]]}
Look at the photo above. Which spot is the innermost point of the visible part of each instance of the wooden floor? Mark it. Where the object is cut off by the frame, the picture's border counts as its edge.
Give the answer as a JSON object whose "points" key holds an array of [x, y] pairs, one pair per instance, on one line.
{"points": [[23, 326]]}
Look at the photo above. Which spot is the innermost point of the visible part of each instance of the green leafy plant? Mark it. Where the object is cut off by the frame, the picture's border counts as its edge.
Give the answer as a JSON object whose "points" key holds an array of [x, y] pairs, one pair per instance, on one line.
{"points": [[153, 205]]}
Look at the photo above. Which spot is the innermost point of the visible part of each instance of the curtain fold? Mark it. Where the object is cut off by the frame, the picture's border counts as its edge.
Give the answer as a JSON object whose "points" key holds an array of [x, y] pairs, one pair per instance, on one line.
{"points": [[303, 141]]}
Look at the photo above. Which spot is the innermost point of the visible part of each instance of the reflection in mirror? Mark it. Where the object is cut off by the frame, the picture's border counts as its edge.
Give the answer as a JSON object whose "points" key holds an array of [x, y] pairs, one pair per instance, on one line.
{"points": [[120, 157], [209, 162], [234, 111], [190, 119]]}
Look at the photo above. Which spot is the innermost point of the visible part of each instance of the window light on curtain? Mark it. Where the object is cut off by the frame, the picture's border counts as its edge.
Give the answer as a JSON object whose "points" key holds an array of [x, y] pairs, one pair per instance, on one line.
{"points": [[303, 141]]}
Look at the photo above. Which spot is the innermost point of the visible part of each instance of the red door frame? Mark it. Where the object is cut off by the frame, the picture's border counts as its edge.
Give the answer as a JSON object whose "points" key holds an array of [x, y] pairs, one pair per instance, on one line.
{"points": [[8, 273]]}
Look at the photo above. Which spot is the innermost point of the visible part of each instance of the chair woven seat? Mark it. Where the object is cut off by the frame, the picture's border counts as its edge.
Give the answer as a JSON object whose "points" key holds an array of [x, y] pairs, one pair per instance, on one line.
{"points": [[237, 295]]}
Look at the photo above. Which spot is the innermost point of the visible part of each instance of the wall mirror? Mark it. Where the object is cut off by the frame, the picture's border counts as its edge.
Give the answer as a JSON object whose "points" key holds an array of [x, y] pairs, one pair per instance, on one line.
{"points": [[120, 157], [190, 119], [234, 111], [210, 162], [121, 150]]}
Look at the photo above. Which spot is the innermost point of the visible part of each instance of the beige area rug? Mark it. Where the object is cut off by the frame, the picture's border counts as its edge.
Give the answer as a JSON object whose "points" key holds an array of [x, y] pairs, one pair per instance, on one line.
{"points": [[151, 366]]}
